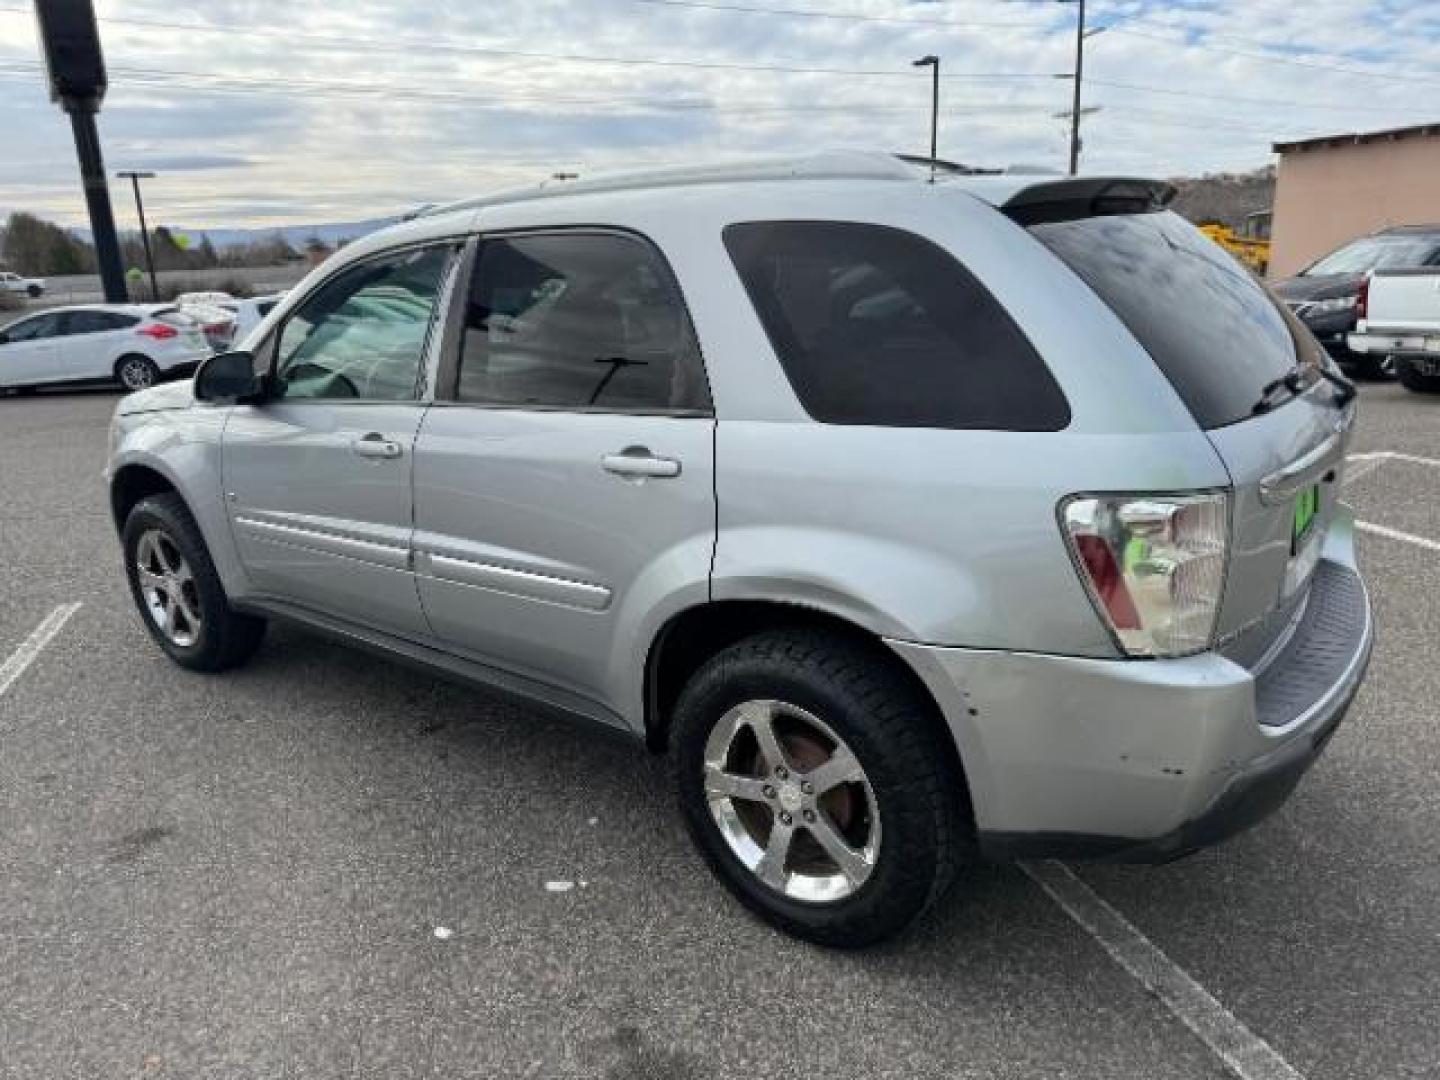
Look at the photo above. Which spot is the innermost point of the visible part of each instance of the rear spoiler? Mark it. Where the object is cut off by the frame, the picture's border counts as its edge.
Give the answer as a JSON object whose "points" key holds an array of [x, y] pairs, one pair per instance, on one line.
{"points": [[1089, 196]]}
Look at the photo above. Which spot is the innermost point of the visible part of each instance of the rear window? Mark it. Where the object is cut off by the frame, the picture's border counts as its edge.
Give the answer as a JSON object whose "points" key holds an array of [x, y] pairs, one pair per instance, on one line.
{"points": [[878, 326], [175, 317], [1212, 328]]}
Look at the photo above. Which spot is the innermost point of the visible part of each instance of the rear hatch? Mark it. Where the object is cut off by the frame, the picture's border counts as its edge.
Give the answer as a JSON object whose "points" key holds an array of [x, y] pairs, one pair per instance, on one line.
{"points": [[1405, 300], [1248, 371], [191, 334]]}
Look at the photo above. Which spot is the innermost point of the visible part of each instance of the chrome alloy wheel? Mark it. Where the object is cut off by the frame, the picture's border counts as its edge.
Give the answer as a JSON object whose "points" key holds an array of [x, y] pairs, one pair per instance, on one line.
{"points": [[792, 801], [168, 587], [136, 374]]}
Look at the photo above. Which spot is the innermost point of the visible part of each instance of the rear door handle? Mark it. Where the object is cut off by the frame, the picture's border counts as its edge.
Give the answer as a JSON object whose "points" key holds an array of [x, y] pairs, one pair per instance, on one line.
{"points": [[375, 445], [637, 461]]}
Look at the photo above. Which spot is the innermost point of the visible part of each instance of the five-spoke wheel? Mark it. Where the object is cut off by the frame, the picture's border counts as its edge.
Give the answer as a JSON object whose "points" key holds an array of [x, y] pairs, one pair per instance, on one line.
{"points": [[792, 801], [819, 784], [168, 586], [178, 590]]}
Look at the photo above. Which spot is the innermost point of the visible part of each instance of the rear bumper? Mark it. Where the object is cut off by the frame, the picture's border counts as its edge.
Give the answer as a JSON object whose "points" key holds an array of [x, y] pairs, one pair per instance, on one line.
{"points": [[1149, 760], [1399, 344]]}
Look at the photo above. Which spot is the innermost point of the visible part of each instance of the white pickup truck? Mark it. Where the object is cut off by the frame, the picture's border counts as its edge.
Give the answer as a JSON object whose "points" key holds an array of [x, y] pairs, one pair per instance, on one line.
{"points": [[14, 283], [1400, 318]]}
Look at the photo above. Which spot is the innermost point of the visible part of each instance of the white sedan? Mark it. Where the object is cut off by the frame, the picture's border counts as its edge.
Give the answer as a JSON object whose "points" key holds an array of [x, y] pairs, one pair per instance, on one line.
{"points": [[132, 344], [249, 313]]}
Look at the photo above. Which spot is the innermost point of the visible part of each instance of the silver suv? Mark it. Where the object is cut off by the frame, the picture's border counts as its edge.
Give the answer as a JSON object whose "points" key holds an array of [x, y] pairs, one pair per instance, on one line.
{"points": [[918, 517]]}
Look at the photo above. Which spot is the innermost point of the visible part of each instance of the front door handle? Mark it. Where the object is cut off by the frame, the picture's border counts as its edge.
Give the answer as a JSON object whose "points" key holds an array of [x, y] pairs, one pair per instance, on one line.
{"points": [[375, 445], [638, 461]]}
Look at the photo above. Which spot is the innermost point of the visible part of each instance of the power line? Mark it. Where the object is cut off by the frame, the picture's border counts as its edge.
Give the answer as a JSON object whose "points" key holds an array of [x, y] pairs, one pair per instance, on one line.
{"points": [[488, 99], [1272, 58], [1245, 100], [409, 46], [310, 88], [834, 16]]}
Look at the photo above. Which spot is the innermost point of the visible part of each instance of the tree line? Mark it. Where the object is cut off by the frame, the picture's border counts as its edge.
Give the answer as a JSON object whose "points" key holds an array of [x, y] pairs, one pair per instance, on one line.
{"points": [[32, 246]]}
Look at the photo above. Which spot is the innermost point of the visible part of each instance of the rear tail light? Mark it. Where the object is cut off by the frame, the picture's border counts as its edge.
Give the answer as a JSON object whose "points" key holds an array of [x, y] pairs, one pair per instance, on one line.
{"points": [[1362, 299], [1154, 566], [159, 331]]}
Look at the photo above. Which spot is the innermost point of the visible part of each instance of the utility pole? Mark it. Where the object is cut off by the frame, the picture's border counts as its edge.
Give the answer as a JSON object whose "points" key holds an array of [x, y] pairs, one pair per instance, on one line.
{"points": [[1079, 77], [135, 178], [933, 63]]}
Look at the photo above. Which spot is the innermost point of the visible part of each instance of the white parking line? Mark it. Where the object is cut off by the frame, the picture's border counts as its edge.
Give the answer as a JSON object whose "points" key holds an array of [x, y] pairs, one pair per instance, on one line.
{"points": [[1395, 534], [16, 663], [1245, 1054], [1395, 455]]}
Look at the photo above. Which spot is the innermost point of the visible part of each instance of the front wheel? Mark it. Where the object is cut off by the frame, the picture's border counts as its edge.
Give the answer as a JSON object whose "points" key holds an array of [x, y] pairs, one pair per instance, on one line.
{"points": [[177, 589], [1412, 379], [34, 292], [816, 782]]}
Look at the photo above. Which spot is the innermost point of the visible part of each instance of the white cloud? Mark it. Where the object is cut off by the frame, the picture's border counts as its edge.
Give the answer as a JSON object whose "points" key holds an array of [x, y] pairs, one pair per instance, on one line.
{"points": [[314, 112]]}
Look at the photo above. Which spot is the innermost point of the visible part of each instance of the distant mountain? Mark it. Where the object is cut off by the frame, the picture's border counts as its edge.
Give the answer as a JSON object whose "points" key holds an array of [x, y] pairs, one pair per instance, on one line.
{"points": [[295, 235], [1224, 197]]}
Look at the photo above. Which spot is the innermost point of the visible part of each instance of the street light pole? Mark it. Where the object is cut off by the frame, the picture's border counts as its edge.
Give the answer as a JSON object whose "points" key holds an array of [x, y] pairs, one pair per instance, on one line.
{"points": [[933, 63], [135, 178]]}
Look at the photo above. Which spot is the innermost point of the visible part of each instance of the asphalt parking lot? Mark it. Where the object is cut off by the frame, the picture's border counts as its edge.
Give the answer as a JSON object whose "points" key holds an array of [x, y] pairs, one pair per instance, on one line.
{"points": [[244, 876]]}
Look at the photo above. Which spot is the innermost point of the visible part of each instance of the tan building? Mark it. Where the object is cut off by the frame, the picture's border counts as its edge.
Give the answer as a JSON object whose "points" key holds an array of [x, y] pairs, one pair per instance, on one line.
{"points": [[1332, 189]]}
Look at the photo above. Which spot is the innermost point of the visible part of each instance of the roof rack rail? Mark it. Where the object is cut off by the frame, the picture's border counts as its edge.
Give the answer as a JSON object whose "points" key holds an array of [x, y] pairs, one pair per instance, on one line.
{"points": [[953, 168], [833, 164]]}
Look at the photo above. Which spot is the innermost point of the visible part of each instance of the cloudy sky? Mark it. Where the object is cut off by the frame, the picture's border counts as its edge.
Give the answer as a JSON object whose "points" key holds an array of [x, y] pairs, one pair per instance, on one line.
{"points": [[263, 113]]}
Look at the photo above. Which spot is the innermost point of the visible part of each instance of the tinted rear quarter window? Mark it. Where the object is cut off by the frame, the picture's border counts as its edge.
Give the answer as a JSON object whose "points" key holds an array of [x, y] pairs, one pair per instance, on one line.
{"points": [[1218, 335], [878, 326]]}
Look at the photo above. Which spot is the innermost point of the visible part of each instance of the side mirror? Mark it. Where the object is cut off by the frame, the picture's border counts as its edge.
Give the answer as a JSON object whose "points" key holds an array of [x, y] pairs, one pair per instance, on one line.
{"points": [[229, 378]]}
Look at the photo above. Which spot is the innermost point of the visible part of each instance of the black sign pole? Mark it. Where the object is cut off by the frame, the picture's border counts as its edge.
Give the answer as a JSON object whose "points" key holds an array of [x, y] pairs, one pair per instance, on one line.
{"points": [[76, 71], [97, 201]]}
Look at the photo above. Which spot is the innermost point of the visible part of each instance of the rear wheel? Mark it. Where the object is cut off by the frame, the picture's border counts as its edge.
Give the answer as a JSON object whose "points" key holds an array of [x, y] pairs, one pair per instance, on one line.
{"points": [[816, 783], [136, 372], [178, 592], [34, 291], [1412, 379]]}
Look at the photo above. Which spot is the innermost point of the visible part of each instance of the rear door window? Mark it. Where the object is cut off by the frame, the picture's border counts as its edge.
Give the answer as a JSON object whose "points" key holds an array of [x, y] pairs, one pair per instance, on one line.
{"points": [[878, 326], [578, 321], [96, 322], [1215, 331]]}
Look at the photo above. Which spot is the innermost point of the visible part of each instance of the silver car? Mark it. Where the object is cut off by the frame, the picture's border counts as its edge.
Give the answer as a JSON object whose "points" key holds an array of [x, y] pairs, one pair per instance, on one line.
{"points": [[918, 518]]}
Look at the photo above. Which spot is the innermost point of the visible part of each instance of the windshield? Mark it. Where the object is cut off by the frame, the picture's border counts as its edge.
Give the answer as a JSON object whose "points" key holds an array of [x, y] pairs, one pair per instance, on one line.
{"points": [[1216, 332], [1374, 253]]}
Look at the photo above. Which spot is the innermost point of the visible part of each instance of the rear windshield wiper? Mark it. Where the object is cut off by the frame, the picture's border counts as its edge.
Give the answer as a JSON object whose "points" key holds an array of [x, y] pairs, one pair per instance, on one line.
{"points": [[1345, 390], [1293, 381]]}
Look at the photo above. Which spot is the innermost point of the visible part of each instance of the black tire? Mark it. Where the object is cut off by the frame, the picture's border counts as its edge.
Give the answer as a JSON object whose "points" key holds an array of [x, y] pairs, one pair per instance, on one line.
{"points": [[226, 638], [1365, 366], [900, 743], [1411, 379], [136, 372], [34, 292]]}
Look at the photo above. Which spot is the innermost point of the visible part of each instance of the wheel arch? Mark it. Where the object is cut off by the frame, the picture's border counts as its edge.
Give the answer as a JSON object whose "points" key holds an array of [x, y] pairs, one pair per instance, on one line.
{"points": [[132, 483], [692, 636]]}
